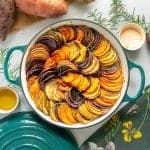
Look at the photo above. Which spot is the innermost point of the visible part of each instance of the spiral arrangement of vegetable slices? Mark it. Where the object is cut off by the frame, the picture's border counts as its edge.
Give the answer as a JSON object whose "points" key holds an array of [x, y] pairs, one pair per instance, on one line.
{"points": [[74, 74]]}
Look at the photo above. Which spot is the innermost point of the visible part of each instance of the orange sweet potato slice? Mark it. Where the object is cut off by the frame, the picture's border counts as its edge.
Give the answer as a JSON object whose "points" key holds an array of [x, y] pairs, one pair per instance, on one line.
{"points": [[49, 63], [64, 30], [31, 80], [71, 33], [80, 34], [63, 116], [100, 101], [114, 75], [69, 114]]}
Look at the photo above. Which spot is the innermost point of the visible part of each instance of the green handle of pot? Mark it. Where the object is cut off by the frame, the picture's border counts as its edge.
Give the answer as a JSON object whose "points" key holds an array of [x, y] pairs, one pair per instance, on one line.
{"points": [[6, 62], [142, 83]]}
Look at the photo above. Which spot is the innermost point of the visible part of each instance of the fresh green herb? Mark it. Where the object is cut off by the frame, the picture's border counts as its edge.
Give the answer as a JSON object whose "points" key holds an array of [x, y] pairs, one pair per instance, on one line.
{"points": [[147, 111], [119, 14], [98, 17]]}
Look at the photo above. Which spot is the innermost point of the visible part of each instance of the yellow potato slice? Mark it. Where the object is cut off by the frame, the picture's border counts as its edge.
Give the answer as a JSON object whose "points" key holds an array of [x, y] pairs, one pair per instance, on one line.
{"points": [[93, 86], [68, 78], [81, 119], [91, 108], [85, 84], [76, 81], [93, 95], [110, 95], [82, 55], [74, 50], [91, 67], [103, 48], [51, 90], [84, 111], [96, 68], [52, 111]]}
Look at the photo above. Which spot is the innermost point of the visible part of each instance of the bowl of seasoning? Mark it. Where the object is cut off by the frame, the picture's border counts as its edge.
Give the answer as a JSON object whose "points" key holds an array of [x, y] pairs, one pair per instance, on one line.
{"points": [[132, 36], [9, 100]]}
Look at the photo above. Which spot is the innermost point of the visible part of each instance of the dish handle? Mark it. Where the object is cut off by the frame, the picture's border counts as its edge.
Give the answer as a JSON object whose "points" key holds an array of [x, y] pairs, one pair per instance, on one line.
{"points": [[6, 62], [23, 48], [128, 98]]}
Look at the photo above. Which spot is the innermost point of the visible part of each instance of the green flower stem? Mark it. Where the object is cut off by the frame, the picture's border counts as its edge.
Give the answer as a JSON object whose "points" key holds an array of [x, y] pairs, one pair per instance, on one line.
{"points": [[146, 112], [109, 138]]}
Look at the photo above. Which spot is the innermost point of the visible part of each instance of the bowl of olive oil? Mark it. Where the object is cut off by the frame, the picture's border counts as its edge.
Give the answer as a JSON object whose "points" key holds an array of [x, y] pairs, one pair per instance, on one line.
{"points": [[9, 100]]}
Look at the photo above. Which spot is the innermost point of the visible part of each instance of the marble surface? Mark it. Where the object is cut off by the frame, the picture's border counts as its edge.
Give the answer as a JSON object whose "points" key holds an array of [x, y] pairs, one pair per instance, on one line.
{"points": [[81, 11]]}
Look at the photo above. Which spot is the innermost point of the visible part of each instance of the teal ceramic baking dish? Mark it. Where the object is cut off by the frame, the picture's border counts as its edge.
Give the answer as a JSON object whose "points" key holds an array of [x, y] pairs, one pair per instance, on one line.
{"points": [[126, 64]]}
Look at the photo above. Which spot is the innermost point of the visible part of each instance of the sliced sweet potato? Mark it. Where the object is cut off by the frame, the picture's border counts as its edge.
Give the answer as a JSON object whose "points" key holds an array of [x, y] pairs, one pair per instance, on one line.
{"points": [[68, 78], [100, 101], [80, 34], [69, 113], [92, 95], [92, 108], [86, 82], [111, 85], [82, 55], [74, 50], [52, 111], [84, 111], [63, 116], [102, 49], [49, 63], [93, 86], [31, 80], [80, 118], [109, 95], [43, 8], [114, 75], [64, 30]]}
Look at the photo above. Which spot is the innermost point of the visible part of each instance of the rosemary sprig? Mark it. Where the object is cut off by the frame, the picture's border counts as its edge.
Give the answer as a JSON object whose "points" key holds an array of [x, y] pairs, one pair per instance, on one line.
{"points": [[119, 14], [116, 10], [98, 17]]}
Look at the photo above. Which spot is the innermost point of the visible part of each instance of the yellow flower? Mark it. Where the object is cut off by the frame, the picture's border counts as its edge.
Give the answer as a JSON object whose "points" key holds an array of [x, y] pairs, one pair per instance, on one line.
{"points": [[129, 132], [115, 118]]}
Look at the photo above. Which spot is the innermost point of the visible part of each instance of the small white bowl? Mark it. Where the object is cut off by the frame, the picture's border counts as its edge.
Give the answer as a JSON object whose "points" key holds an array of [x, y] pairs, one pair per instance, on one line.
{"points": [[17, 100], [132, 36]]}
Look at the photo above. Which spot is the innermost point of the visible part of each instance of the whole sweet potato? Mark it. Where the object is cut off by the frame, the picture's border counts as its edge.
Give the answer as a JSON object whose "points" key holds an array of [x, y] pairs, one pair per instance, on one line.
{"points": [[7, 13], [43, 8]]}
